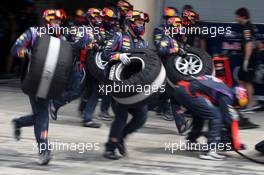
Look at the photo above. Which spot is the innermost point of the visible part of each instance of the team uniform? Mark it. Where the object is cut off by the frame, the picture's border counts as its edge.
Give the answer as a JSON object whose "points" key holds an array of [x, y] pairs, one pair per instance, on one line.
{"points": [[40, 115], [113, 50], [249, 33]]}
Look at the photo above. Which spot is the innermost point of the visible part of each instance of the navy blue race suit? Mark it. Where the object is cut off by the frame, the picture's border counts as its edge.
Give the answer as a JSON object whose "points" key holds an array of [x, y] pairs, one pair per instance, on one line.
{"points": [[120, 128]]}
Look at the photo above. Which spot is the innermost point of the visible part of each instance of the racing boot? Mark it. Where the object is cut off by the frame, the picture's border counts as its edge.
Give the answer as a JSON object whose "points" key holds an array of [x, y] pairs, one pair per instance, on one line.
{"points": [[121, 147], [45, 157], [53, 110], [17, 131], [110, 151]]}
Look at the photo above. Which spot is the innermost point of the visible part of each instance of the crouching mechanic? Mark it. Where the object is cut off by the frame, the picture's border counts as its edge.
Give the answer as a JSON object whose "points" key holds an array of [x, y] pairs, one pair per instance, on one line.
{"points": [[40, 117], [224, 98], [200, 110], [208, 98], [135, 21]]}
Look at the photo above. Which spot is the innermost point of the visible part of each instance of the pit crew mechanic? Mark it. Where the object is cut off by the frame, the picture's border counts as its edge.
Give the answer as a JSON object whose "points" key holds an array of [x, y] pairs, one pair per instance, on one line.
{"points": [[198, 107], [53, 18], [78, 76], [250, 57], [167, 44], [94, 17], [135, 23], [225, 98], [190, 19], [123, 7]]}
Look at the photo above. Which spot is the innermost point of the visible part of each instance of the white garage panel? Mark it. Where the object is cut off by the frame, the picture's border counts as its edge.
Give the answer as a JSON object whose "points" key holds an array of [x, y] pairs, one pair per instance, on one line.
{"points": [[222, 10]]}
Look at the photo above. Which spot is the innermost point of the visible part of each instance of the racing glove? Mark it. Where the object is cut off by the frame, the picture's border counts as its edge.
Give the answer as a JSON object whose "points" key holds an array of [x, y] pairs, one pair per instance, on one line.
{"points": [[24, 53], [124, 58]]}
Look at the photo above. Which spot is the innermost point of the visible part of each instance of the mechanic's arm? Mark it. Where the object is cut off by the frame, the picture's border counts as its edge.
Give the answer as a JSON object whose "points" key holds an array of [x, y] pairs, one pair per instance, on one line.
{"points": [[112, 48], [158, 35], [84, 40], [248, 47], [168, 46], [165, 48], [248, 50], [21, 47]]}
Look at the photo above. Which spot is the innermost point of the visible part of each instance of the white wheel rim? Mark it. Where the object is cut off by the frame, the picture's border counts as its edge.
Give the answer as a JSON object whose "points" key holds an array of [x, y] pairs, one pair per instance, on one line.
{"points": [[191, 65], [99, 62]]}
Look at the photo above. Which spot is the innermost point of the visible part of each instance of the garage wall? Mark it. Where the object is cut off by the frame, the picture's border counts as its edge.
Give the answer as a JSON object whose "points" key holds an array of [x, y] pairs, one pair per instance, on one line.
{"points": [[222, 10]]}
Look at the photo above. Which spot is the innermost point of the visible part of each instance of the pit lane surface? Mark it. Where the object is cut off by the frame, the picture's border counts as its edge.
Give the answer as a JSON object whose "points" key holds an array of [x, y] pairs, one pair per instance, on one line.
{"points": [[147, 154]]}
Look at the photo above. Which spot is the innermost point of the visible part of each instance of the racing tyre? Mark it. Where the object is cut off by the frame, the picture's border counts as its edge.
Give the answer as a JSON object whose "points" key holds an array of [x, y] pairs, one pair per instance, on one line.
{"points": [[96, 66], [49, 68], [139, 82], [197, 63]]}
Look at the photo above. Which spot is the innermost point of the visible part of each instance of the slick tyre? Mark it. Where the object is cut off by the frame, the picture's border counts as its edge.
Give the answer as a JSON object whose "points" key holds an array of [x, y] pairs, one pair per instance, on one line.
{"points": [[49, 68], [139, 82], [96, 66]]}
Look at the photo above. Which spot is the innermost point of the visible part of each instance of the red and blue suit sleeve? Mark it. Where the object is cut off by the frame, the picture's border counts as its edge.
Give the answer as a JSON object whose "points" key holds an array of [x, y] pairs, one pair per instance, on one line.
{"points": [[112, 48], [164, 43], [25, 41], [211, 87]]}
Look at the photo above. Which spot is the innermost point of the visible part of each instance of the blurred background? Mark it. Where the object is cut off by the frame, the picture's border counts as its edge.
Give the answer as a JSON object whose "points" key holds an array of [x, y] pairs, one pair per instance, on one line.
{"points": [[17, 15]]}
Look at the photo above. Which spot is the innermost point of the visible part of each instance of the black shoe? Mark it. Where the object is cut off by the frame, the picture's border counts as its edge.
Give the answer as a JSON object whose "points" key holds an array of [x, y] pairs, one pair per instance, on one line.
{"points": [[105, 116], [185, 126], [167, 116], [44, 158], [91, 124], [53, 110], [17, 131], [121, 147], [111, 155]]}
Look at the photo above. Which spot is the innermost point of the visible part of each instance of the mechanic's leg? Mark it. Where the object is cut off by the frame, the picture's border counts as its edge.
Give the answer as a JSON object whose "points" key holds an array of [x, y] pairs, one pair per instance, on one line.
{"points": [[214, 128], [92, 100], [24, 121], [197, 128], [198, 106], [179, 119], [163, 105], [41, 122], [106, 102], [226, 107], [83, 102], [29, 119], [181, 123], [121, 114], [251, 97], [138, 120]]}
